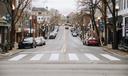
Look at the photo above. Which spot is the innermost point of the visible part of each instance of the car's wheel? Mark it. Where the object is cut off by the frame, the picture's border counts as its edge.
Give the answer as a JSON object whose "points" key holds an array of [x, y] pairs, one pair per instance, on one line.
{"points": [[41, 44], [83, 43], [32, 46], [44, 43], [35, 46]]}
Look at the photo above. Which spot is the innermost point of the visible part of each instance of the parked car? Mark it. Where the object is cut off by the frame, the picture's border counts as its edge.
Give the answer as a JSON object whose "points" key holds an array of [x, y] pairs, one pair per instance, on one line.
{"points": [[40, 41], [72, 29], [52, 35], [66, 27], [74, 34], [27, 42], [124, 44], [91, 41]]}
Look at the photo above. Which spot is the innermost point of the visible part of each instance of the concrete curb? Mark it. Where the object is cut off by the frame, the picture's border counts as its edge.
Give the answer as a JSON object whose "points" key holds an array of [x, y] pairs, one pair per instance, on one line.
{"points": [[11, 52], [116, 52]]}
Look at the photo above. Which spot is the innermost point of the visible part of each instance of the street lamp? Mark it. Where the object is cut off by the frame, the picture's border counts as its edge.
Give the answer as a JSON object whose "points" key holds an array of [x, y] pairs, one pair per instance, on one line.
{"points": [[13, 7], [117, 9], [30, 18]]}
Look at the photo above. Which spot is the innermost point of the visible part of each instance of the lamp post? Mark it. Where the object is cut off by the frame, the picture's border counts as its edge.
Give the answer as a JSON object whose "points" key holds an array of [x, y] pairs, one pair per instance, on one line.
{"points": [[30, 27], [117, 9], [115, 12]]}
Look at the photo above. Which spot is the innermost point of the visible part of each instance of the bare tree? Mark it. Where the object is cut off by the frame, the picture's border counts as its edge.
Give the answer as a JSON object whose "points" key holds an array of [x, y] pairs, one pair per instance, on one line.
{"points": [[15, 9], [110, 4], [91, 7]]}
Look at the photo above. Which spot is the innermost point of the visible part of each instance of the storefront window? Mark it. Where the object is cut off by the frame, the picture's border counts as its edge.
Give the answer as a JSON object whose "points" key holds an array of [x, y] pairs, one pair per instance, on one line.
{"points": [[126, 26]]}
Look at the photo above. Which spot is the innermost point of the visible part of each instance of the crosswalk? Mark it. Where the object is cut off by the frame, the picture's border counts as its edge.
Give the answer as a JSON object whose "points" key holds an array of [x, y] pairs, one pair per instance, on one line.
{"points": [[69, 56]]}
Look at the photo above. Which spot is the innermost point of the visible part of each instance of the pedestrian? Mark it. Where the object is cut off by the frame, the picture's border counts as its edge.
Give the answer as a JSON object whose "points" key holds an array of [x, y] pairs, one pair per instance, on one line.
{"points": [[102, 39]]}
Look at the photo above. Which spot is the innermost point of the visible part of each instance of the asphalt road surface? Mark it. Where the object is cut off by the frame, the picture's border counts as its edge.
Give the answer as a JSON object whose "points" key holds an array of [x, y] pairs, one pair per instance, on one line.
{"points": [[64, 56]]}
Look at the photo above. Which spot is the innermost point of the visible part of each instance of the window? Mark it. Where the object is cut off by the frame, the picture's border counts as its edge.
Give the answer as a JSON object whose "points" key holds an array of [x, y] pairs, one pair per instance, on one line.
{"points": [[120, 4], [127, 3], [39, 13], [124, 4]]}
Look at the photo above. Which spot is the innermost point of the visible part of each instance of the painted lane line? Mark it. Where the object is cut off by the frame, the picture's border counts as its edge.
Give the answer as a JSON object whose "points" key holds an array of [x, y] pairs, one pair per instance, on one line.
{"points": [[37, 57], [54, 57], [73, 57], [91, 57], [16, 58], [110, 57]]}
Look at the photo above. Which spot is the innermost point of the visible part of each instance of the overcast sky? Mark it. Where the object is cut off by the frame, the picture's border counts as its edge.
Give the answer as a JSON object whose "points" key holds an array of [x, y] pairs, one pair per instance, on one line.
{"points": [[64, 6]]}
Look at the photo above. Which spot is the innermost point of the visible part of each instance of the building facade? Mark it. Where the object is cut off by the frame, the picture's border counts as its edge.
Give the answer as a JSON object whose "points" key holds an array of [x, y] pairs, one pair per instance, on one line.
{"points": [[123, 11]]}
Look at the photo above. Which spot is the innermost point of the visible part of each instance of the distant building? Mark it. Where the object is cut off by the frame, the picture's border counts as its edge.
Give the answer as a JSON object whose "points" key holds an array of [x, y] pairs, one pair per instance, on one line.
{"points": [[42, 14]]}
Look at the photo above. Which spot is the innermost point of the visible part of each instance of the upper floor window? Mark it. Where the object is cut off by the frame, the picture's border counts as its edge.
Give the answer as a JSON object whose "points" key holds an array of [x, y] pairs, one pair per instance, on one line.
{"points": [[121, 4], [39, 13], [124, 4], [127, 3]]}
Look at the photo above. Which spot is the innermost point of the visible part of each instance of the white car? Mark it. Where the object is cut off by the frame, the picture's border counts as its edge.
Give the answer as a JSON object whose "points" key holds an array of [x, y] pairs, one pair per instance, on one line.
{"points": [[74, 34], [40, 41], [52, 35]]}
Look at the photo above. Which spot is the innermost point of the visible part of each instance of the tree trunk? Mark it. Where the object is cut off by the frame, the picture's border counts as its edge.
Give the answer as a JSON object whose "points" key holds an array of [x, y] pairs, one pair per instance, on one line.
{"points": [[105, 22], [12, 35], [94, 25], [13, 31]]}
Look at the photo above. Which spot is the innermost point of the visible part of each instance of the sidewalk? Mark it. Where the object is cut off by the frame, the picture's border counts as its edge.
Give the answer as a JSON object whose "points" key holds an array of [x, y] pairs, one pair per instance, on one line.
{"points": [[120, 53], [11, 52]]}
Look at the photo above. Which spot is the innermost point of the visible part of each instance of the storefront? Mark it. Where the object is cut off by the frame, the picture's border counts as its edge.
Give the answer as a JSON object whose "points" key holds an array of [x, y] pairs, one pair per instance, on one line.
{"points": [[118, 29], [4, 36]]}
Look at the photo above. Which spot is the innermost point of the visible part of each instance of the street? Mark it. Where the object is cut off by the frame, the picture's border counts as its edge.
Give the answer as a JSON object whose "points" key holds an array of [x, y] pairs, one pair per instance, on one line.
{"points": [[64, 56]]}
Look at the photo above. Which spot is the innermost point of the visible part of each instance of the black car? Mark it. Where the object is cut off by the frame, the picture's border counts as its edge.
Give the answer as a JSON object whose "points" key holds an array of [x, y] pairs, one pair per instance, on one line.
{"points": [[27, 43], [66, 27]]}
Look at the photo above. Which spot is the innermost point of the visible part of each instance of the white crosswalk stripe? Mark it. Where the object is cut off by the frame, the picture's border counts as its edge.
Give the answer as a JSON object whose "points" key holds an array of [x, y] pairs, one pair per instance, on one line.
{"points": [[91, 57], [112, 58], [70, 56], [37, 57], [73, 57], [16, 58], [54, 57]]}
